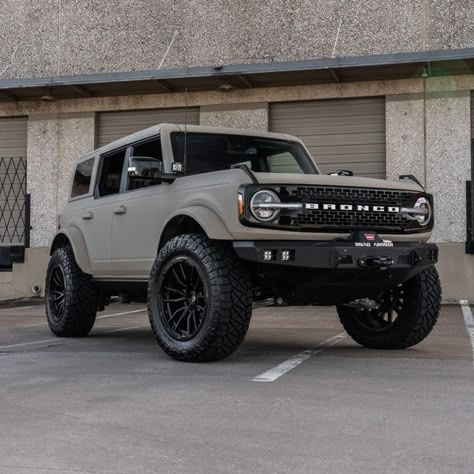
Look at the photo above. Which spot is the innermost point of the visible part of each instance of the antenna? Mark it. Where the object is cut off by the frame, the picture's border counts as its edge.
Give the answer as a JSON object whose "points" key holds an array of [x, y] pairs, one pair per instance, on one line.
{"points": [[185, 126]]}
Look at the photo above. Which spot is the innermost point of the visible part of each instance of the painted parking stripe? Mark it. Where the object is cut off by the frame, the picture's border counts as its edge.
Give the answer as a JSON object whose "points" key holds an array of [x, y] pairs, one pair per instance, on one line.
{"points": [[469, 322], [31, 343], [281, 369], [121, 314], [15, 308], [67, 340], [98, 317]]}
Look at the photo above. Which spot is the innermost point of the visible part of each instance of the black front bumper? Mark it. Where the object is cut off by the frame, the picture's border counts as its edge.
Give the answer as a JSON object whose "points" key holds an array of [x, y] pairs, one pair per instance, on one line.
{"points": [[340, 255]]}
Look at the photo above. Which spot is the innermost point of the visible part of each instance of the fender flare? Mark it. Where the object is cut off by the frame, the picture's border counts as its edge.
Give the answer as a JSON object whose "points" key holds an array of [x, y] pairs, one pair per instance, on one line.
{"points": [[79, 247], [211, 223]]}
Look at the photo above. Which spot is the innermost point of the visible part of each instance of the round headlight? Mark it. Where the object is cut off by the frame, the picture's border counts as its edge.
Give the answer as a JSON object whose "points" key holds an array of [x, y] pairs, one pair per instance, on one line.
{"points": [[261, 205], [423, 204]]}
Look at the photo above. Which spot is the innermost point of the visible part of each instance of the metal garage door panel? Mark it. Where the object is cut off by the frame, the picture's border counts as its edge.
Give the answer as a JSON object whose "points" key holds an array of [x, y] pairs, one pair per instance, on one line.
{"points": [[345, 133], [13, 133], [13, 136], [114, 125]]}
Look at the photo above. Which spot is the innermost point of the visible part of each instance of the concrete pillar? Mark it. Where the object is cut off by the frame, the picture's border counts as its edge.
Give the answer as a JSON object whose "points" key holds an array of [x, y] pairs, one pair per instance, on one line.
{"points": [[448, 153], [445, 160], [248, 116], [55, 142], [448, 158], [405, 136]]}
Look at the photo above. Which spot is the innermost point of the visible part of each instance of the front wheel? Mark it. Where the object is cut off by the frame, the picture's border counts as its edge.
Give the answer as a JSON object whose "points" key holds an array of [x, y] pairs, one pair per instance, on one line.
{"points": [[398, 318], [199, 299]]}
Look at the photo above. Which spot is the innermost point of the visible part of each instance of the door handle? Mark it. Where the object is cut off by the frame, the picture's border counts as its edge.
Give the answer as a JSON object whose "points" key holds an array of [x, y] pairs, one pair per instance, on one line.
{"points": [[87, 215], [120, 210]]}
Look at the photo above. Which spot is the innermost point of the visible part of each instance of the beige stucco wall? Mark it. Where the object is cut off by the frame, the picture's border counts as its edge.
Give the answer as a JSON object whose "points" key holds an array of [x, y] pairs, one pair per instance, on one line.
{"points": [[429, 135], [405, 144], [456, 269], [448, 161], [58, 37], [19, 282], [55, 141], [248, 116]]}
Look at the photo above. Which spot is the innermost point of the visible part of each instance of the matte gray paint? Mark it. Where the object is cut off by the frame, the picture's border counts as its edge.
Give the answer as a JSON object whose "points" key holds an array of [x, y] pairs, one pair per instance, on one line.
{"points": [[124, 246]]}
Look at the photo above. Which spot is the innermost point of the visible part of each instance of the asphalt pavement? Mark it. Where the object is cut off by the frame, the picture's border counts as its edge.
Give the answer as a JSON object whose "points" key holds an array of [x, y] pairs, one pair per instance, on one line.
{"points": [[115, 403]]}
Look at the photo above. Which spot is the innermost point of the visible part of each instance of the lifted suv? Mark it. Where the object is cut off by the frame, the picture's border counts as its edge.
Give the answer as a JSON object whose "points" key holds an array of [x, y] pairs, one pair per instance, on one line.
{"points": [[210, 222]]}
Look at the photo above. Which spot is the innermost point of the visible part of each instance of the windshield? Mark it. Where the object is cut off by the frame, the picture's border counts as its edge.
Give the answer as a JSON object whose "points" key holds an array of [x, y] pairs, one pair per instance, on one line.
{"points": [[207, 152]]}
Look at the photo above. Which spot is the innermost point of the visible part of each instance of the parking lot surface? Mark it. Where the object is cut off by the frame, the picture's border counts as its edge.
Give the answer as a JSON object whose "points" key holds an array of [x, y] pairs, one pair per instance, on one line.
{"points": [[114, 403]]}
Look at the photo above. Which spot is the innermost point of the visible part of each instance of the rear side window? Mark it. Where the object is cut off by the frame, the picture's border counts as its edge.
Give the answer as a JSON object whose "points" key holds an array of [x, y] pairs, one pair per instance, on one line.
{"points": [[82, 178], [111, 173]]}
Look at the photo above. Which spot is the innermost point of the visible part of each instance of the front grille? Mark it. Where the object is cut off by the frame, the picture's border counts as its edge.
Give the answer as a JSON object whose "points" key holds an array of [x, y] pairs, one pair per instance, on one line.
{"points": [[352, 219], [351, 195]]}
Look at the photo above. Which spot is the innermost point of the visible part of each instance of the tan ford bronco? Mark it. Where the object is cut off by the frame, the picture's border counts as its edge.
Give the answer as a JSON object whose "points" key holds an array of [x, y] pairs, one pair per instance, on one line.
{"points": [[208, 223]]}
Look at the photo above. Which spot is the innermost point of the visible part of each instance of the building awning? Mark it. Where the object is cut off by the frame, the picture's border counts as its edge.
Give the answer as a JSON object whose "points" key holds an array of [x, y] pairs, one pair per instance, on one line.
{"points": [[242, 76]]}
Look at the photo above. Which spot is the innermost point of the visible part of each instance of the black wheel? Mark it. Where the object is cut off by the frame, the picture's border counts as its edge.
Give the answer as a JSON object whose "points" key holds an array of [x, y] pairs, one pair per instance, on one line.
{"points": [[71, 298], [199, 299], [397, 318]]}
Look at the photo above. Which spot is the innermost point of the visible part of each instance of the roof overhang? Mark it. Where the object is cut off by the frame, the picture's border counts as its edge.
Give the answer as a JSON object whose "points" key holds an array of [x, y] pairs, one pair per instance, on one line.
{"points": [[241, 76]]}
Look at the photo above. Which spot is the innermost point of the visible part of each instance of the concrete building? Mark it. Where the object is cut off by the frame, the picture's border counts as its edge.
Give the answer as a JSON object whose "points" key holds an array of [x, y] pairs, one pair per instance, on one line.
{"points": [[383, 87]]}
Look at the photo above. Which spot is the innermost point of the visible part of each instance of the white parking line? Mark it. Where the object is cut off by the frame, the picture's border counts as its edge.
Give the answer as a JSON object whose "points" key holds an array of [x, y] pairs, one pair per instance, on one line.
{"points": [[32, 343], [121, 314], [469, 322], [67, 340], [19, 307], [98, 317], [281, 369]]}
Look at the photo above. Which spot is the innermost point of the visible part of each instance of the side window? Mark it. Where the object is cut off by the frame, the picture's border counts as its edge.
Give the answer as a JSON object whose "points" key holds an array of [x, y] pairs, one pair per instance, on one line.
{"points": [[82, 178], [147, 159], [111, 173]]}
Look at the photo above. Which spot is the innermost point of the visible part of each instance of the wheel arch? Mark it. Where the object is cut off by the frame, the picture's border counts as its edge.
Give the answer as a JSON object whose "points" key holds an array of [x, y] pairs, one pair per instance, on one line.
{"points": [[73, 237], [194, 220]]}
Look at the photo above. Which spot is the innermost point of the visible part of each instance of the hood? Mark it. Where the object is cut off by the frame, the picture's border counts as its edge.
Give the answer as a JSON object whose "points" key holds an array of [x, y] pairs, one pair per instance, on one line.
{"points": [[327, 180]]}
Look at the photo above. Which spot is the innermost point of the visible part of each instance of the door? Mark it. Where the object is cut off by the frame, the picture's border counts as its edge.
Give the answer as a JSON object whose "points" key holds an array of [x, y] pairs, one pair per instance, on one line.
{"points": [[137, 227], [96, 218], [340, 134]]}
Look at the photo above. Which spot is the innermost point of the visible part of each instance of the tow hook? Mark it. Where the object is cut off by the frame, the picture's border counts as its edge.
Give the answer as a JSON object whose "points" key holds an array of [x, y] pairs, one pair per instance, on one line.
{"points": [[376, 263]]}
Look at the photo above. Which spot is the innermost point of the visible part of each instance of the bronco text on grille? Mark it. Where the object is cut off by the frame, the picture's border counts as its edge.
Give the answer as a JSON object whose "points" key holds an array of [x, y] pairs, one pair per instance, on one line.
{"points": [[350, 208]]}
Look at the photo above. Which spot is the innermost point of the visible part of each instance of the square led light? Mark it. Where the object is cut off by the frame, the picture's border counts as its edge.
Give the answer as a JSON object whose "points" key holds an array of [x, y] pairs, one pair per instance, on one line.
{"points": [[268, 255], [286, 255]]}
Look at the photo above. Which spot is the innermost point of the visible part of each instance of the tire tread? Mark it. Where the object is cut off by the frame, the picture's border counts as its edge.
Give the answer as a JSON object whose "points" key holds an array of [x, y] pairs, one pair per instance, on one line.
{"points": [[80, 300], [419, 318], [232, 299]]}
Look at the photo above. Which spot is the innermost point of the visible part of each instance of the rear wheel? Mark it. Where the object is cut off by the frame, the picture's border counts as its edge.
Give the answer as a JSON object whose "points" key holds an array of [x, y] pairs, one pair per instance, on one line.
{"points": [[397, 318], [71, 298], [199, 299]]}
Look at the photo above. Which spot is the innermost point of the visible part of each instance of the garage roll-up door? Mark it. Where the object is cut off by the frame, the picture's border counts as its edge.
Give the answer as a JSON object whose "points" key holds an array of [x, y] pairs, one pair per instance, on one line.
{"points": [[342, 133], [13, 133], [114, 125]]}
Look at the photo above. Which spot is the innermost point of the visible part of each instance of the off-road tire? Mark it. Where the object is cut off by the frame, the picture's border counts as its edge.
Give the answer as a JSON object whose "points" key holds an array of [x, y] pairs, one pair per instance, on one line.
{"points": [[80, 297], [228, 310], [419, 314]]}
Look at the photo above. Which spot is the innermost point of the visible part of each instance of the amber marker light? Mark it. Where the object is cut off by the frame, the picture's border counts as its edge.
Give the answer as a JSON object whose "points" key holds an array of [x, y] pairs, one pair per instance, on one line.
{"points": [[241, 205]]}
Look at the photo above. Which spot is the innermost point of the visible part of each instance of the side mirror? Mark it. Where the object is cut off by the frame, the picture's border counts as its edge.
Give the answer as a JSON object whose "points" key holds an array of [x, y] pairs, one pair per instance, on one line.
{"points": [[342, 173], [144, 167]]}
